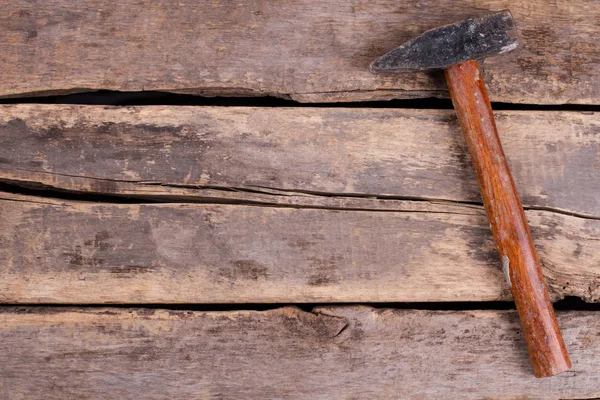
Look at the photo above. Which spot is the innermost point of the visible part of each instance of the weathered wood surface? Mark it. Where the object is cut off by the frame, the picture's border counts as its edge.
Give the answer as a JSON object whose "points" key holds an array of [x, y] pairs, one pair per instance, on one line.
{"points": [[306, 50], [332, 353], [344, 157], [56, 251]]}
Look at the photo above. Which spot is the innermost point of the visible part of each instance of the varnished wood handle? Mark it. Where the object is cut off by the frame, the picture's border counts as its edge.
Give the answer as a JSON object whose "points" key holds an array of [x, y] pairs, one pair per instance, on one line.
{"points": [[507, 219]]}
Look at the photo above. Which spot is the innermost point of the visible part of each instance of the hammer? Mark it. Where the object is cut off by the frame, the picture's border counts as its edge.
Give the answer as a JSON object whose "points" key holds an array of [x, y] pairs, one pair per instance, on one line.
{"points": [[456, 49]]}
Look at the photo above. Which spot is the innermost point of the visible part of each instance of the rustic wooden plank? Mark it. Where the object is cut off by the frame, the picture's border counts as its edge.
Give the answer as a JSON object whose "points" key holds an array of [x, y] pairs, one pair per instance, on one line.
{"points": [[333, 353], [305, 50], [84, 252], [294, 156]]}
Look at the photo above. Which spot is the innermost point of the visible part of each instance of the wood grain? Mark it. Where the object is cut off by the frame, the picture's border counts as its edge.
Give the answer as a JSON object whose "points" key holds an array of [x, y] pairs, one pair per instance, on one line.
{"points": [[503, 207], [56, 251], [318, 157], [304, 50], [333, 353]]}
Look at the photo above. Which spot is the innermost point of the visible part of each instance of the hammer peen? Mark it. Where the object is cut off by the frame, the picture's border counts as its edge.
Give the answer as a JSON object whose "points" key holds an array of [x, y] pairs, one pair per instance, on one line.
{"points": [[455, 48]]}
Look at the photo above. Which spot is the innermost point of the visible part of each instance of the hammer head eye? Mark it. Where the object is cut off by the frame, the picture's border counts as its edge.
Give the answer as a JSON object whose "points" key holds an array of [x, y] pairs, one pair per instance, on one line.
{"points": [[439, 48]]}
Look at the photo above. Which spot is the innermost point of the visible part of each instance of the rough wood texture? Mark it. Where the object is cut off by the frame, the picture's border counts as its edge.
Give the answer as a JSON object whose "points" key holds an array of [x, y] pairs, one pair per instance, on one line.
{"points": [[332, 353], [309, 51], [503, 207], [295, 156], [83, 252]]}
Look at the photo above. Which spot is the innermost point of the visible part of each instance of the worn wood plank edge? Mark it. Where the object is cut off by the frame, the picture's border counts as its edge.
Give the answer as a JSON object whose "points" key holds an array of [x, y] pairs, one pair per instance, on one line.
{"points": [[252, 48], [69, 252], [310, 155], [332, 352]]}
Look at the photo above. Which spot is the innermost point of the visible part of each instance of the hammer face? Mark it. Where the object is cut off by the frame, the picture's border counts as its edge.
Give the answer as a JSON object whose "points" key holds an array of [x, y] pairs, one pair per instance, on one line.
{"points": [[438, 48]]}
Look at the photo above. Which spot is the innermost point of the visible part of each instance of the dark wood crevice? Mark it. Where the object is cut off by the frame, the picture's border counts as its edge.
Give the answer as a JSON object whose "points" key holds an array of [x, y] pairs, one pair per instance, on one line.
{"points": [[44, 191], [158, 98], [569, 303]]}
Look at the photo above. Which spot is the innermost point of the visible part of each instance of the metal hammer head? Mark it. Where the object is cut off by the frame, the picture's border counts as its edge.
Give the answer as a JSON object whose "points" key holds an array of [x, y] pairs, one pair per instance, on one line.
{"points": [[471, 39]]}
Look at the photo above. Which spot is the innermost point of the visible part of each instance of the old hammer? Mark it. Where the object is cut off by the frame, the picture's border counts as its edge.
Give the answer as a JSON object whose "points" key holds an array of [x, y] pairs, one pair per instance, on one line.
{"points": [[456, 49]]}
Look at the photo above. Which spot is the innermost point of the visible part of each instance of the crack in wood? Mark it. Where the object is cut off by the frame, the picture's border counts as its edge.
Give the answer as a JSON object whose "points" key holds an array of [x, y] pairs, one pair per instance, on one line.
{"points": [[48, 192]]}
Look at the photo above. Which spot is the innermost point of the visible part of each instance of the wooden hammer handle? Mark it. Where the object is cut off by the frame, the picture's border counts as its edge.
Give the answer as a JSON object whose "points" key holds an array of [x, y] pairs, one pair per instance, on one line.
{"points": [[507, 219]]}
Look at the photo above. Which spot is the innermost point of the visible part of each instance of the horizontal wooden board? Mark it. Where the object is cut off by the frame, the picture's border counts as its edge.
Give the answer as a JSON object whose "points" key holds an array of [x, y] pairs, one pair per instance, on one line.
{"points": [[331, 353], [324, 157], [56, 251], [305, 50]]}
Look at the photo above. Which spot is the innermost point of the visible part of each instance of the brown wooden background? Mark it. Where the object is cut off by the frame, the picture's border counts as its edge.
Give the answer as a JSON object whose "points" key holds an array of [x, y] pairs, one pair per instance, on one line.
{"points": [[298, 236]]}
